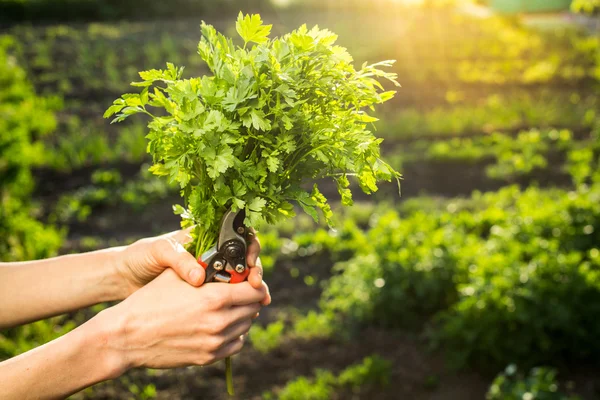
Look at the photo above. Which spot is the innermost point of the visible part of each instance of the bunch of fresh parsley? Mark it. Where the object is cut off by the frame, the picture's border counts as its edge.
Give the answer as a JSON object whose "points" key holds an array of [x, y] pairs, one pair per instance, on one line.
{"points": [[274, 114]]}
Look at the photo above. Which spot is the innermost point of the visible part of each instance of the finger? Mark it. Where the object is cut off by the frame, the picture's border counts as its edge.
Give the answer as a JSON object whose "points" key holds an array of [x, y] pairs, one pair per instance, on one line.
{"points": [[253, 261], [243, 293], [174, 255], [267, 299], [230, 349], [243, 313], [256, 274], [237, 330]]}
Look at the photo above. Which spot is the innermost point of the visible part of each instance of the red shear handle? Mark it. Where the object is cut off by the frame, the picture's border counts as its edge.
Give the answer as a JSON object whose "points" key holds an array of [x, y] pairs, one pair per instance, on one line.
{"points": [[238, 278]]}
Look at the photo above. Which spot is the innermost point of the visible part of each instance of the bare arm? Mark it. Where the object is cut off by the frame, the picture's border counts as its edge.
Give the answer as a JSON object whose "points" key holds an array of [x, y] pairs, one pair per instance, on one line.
{"points": [[34, 290], [62, 367], [166, 324]]}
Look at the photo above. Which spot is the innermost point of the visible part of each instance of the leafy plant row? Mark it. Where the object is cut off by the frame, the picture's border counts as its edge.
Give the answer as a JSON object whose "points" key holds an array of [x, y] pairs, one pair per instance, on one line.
{"points": [[373, 371], [489, 51], [517, 110], [24, 118], [500, 277]]}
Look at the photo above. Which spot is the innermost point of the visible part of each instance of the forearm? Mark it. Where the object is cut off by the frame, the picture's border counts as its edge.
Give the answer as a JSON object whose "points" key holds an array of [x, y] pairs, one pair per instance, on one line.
{"points": [[38, 289], [64, 366]]}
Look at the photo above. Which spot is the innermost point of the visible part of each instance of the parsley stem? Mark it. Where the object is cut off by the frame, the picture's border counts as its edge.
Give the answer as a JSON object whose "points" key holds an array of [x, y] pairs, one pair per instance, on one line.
{"points": [[229, 376]]}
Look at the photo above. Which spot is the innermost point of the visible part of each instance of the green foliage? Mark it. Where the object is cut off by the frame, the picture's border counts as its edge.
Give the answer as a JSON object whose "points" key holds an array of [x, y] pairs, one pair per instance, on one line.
{"points": [[78, 145], [314, 325], [373, 371], [319, 388], [506, 276], [273, 116], [19, 340], [403, 275], [108, 190], [270, 249], [493, 113], [511, 156], [532, 276], [24, 118], [539, 384], [340, 243], [583, 160], [268, 338], [585, 6]]}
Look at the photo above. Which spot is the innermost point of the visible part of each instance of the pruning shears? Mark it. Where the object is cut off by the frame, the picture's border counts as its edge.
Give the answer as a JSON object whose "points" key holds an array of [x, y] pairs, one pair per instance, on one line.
{"points": [[226, 261]]}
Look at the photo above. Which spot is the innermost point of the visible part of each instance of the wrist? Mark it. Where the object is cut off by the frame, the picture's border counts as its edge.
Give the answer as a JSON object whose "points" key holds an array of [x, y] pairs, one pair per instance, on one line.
{"points": [[107, 331], [122, 286]]}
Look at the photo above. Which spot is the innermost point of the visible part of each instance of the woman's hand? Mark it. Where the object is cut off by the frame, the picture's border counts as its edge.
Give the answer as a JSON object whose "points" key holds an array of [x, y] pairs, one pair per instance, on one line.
{"points": [[142, 261], [167, 323], [170, 323]]}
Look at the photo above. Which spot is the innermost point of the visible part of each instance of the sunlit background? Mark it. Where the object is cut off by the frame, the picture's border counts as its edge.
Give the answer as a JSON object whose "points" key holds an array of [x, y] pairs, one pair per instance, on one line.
{"points": [[481, 279]]}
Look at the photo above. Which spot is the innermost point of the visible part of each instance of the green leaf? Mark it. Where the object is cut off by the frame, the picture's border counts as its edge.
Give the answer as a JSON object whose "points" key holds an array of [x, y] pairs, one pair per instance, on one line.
{"points": [[272, 164], [321, 202], [257, 204], [345, 193], [220, 161], [115, 108], [178, 209], [251, 28], [257, 120]]}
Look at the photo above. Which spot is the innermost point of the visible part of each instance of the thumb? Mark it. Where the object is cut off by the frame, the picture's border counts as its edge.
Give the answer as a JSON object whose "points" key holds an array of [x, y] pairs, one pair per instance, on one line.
{"points": [[187, 266], [188, 269]]}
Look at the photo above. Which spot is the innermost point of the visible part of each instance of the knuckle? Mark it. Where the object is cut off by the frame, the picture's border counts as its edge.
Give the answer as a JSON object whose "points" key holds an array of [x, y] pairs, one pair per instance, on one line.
{"points": [[218, 326], [215, 301], [207, 359], [213, 343], [237, 346], [161, 248], [246, 325]]}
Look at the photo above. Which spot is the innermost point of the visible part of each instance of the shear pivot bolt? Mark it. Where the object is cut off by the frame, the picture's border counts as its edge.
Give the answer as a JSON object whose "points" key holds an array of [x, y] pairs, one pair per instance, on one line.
{"points": [[240, 230], [239, 268], [218, 265]]}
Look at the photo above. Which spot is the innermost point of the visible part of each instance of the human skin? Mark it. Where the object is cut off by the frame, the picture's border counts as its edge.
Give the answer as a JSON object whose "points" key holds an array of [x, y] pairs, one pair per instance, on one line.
{"points": [[165, 320]]}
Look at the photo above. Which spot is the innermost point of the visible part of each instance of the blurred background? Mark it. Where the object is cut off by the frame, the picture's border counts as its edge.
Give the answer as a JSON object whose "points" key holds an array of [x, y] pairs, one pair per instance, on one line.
{"points": [[481, 281]]}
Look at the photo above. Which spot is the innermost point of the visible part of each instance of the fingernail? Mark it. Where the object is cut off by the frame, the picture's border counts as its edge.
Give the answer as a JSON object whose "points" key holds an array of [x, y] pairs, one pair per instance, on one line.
{"points": [[258, 262], [195, 275]]}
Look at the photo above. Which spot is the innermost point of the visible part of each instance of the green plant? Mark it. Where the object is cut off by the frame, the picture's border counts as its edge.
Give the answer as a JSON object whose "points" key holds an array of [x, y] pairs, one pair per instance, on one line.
{"points": [[585, 6], [373, 371], [24, 118], [272, 116], [267, 338], [314, 325], [404, 274], [539, 384]]}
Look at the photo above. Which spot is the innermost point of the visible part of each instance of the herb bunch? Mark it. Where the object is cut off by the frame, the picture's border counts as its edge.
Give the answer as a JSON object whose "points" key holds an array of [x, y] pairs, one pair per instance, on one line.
{"points": [[273, 115]]}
